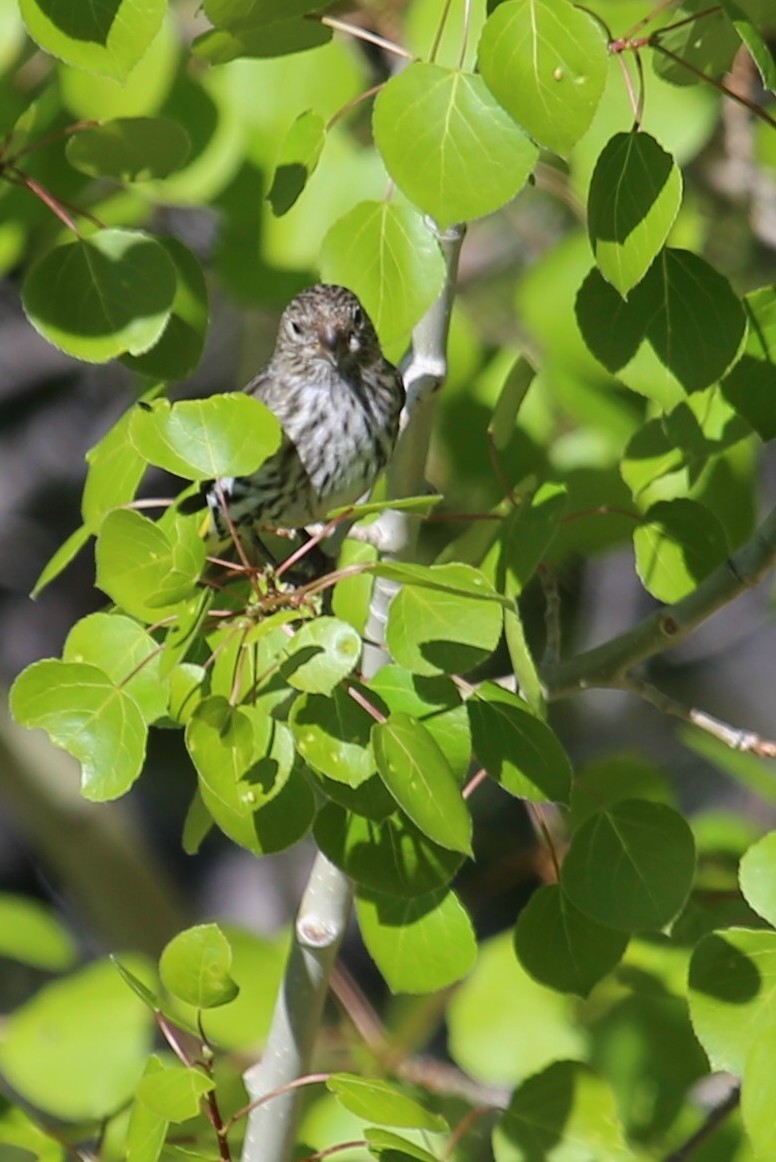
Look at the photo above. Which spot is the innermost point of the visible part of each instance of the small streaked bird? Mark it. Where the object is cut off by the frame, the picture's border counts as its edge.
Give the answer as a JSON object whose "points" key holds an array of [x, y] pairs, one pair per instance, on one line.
{"points": [[338, 400]]}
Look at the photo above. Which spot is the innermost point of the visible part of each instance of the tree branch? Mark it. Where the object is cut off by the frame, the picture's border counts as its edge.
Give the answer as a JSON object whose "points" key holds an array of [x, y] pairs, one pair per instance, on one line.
{"points": [[607, 665], [325, 908], [743, 740]]}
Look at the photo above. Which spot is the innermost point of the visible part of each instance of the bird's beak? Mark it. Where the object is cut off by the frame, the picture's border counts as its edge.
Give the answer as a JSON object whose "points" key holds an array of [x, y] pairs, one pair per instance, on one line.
{"points": [[333, 340]]}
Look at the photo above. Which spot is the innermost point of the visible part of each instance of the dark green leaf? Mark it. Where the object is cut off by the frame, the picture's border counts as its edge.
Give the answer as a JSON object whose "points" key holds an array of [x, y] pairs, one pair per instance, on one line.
{"points": [[103, 295], [392, 856], [631, 865], [750, 385], [677, 544], [130, 149], [298, 158], [680, 298], [516, 747], [561, 947], [566, 1111], [635, 194]]}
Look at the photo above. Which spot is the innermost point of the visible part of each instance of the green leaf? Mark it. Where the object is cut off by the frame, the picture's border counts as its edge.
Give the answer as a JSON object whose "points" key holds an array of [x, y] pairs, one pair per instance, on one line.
{"points": [[146, 1130], [390, 856], [436, 703], [498, 1007], [386, 253], [219, 46], [96, 1035], [220, 739], [296, 162], [680, 298], [631, 865], [635, 195], [84, 713], [525, 536], [141, 569], [677, 544], [523, 664], [441, 630], [32, 934], [101, 38], [420, 945], [115, 470], [731, 987], [126, 653], [129, 149], [61, 559], [566, 1111], [513, 392], [333, 736], [758, 1094], [757, 877], [381, 1102], [448, 145], [546, 63], [516, 747], [255, 13], [179, 350], [322, 653], [200, 439], [749, 386], [103, 295], [138, 986], [453, 578], [757, 45], [617, 777], [195, 967], [258, 965], [174, 1091], [269, 827], [708, 43], [416, 772], [562, 948], [394, 1147]]}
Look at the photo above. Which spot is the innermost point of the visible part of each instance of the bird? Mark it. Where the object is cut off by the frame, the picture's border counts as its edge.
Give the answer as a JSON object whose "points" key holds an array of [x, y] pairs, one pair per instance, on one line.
{"points": [[338, 400]]}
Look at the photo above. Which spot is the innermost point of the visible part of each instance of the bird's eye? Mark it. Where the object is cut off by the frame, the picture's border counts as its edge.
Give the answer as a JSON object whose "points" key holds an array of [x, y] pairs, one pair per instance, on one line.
{"points": [[297, 330], [358, 317]]}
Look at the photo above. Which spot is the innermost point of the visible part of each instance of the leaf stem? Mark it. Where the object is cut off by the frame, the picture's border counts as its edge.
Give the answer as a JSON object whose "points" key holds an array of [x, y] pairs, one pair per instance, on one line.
{"points": [[755, 109]]}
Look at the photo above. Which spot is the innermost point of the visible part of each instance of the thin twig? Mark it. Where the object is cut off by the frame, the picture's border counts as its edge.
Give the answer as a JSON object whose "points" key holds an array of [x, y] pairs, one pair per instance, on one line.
{"points": [[439, 31], [755, 109], [714, 1118], [552, 643], [746, 741], [462, 1129], [363, 34]]}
